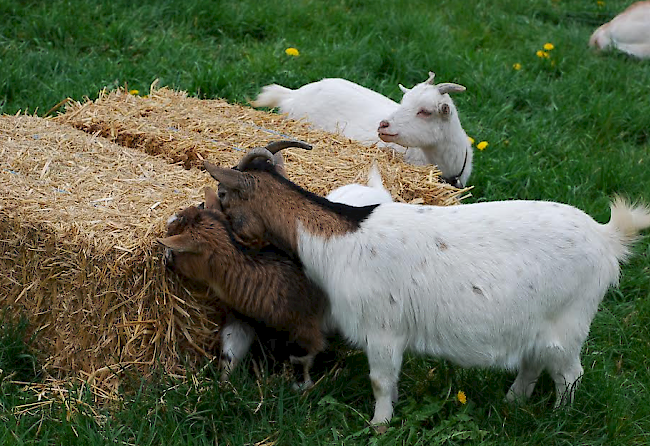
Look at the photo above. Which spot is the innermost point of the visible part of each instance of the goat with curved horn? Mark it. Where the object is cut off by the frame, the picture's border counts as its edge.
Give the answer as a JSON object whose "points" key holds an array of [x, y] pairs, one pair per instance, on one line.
{"points": [[257, 152]]}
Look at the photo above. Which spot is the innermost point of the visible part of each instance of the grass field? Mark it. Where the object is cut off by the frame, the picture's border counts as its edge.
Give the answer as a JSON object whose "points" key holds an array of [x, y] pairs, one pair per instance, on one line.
{"points": [[573, 127]]}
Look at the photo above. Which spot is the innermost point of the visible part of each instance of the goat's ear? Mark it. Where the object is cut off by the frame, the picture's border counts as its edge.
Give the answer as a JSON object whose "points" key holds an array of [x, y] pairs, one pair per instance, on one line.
{"points": [[449, 87], [211, 199], [279, 164], [180, 243], [403, 88], [230, 178]]}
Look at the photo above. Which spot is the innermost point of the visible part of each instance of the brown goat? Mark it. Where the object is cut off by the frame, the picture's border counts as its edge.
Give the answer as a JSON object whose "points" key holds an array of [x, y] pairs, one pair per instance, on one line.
{"points": [[262, 284]]}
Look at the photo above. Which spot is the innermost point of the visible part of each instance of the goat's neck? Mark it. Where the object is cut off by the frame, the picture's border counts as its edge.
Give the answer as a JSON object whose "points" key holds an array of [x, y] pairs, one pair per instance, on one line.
{"points": [[444, 151], [291, 209]]}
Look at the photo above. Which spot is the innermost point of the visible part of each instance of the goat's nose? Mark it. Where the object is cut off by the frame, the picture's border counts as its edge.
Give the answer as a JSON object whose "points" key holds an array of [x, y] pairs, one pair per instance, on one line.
{"points": [[383, 124]]}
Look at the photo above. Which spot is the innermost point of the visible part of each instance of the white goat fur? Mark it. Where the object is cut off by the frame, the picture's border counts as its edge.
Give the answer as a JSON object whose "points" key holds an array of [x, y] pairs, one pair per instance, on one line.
{"points": [[360, 195], [338, 105], [629, 31], [501, 284]]}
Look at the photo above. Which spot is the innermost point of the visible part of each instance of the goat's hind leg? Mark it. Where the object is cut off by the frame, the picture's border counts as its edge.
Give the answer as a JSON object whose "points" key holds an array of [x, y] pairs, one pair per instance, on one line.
{"points": [[522, 388], [236, 339], [567, 376]]}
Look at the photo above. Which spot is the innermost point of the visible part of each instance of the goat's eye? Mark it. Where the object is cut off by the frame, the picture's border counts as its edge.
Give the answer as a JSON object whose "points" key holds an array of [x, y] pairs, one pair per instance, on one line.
{"points": [[221, 195], [424, 113]]}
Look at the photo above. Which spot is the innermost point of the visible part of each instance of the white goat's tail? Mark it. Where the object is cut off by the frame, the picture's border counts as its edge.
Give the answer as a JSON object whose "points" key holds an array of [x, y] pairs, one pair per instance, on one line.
{"points": [[374, 177], [271, 96], [626, 223]]}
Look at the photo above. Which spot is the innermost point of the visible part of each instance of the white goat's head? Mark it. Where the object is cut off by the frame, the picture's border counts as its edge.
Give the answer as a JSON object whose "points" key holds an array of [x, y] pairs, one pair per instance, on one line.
{"points": [[422, 116]]}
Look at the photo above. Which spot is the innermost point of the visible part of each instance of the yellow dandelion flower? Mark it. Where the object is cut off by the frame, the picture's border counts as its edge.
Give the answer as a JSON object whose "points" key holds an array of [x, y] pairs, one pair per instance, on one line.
{"points": [[462, 398], [540, 53], [471, 140], [600, 3], [292, 52], [516, 66], [134, 92], [549, 46], [482, 145]]}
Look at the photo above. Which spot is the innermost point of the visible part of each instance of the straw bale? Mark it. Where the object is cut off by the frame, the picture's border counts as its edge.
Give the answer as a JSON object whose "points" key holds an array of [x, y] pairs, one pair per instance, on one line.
{"points": [[78, 220], [187, 130], [82, 201]]}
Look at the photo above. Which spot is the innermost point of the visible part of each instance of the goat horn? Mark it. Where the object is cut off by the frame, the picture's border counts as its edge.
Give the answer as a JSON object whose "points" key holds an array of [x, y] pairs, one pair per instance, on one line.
{"points": [[449, 87], [230, 178], [276, 146], [432, 76], [403, 88], [257, 152]]}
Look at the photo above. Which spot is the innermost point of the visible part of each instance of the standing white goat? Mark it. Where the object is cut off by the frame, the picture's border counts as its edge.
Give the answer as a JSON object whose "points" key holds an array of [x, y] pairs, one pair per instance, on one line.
{"points": [[512, 284], [426, 121], [629, 31]]}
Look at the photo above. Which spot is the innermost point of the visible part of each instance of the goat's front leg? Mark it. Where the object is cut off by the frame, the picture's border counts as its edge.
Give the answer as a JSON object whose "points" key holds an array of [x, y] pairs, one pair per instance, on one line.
{"points": [[385, 352], [306, 361], [236, 339]]}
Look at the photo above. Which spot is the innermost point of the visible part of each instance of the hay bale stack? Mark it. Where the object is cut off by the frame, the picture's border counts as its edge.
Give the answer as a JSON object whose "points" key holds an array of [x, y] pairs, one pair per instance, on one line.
{"points": [[78, 220], [188, 130], [82, 201]]}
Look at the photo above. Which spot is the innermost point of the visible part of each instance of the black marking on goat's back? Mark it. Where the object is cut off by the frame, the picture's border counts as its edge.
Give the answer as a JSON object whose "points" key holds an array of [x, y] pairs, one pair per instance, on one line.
{"points": [[353, 214]]}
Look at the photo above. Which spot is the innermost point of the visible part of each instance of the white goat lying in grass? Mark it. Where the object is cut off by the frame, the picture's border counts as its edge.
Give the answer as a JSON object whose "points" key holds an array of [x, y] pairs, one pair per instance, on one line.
{"points": [[512, 284], [426, 121], [629, 31]]}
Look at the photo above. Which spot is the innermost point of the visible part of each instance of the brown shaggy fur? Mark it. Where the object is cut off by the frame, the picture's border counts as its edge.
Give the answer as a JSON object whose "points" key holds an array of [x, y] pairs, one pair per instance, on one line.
{"points": [[263, 284]]}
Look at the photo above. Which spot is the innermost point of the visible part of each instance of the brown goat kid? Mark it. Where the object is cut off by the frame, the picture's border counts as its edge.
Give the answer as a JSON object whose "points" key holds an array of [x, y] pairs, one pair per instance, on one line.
{"points": [[264, 284]]}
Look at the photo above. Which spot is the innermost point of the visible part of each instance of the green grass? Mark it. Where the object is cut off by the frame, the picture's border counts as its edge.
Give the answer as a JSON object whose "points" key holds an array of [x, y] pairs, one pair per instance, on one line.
{"points": [[573, 128]]}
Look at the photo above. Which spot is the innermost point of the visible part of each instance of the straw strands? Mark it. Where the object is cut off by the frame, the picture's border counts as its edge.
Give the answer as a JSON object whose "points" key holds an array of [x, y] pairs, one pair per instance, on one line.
{"points": [[78, 221], [188, 130], [82, 202]]}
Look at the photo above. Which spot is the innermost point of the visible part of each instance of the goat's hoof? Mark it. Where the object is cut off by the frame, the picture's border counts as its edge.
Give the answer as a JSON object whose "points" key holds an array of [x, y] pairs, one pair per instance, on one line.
{"points": [[303, 386], [380, 428]]}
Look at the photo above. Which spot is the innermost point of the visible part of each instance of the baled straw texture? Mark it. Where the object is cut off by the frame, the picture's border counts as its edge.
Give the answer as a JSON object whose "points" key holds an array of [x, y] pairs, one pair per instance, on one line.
{"points": [[81, 208], [79, 216], [188, 130]]}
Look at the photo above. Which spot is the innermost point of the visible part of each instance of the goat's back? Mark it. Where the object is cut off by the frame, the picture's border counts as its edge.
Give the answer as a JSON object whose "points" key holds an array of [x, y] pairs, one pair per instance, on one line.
{"points": [[333, 104]]}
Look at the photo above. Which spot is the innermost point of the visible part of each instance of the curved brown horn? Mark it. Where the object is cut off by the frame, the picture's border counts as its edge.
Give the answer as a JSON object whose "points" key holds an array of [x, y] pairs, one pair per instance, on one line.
{"points": [[230, 178], [257, 152], [449, 87], [276, 146]]}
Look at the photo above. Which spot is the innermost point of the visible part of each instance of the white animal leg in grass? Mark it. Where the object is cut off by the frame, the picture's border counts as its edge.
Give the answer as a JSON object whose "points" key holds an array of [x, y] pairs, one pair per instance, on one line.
{"points": [[385, 354], [566, 375], [236, 340], [306, 361], [524, 384]]}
